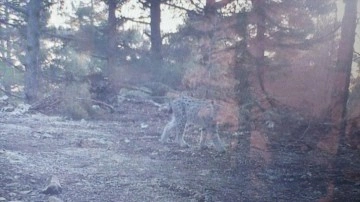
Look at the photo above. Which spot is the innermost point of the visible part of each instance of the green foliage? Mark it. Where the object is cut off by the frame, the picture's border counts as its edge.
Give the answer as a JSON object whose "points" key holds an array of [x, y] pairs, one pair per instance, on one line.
{"points": [[354, 91], [170, 74], [132, 38], [83, 13], [10, 76]]}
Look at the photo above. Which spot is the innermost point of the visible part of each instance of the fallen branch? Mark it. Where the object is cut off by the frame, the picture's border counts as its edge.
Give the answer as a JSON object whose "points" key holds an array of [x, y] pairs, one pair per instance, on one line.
{"points": [[99, 102]]}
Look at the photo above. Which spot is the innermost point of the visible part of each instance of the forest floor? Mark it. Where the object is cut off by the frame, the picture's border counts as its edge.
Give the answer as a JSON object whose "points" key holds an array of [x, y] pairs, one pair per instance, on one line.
{"points": [[121, 159]]}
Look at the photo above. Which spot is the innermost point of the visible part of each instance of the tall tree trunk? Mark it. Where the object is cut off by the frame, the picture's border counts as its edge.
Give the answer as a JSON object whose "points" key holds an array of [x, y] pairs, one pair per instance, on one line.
{"points": [[5, 51], [335, 141], [257, 49], [112, 42], [8, 36], [244, 96], [259, 143], [8, 45], [32, 51], [156, 42], [341, 80], [345, 56], [259, 46]]}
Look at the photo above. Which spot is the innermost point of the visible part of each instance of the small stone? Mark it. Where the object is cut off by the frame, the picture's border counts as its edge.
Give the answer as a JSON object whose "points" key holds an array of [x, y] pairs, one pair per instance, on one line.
{"points": [[8, 109], [54, 187], [25, 192], [127, 140], [54, 199], [2, 199], [47, 136], [204, 172], [4, 98], [144, 125]]}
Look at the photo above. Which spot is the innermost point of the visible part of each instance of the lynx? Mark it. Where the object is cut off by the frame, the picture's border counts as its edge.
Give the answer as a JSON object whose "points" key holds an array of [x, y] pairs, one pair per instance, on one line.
{"points": [[185, 111]]}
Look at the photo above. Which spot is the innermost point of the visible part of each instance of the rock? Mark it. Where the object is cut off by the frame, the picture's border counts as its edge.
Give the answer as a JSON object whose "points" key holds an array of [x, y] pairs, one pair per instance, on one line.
{"points": [[54, 199], [144, 125], [25, 192], [126, 140], [8, 108], [4, 98], [54, 186]]}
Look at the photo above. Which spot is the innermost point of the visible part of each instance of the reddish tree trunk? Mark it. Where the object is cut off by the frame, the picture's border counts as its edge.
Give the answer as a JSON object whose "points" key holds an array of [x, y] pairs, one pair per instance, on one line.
{"points": [[334, 141], [256, 46], [259, 47], [340, 90], [345, 55]]}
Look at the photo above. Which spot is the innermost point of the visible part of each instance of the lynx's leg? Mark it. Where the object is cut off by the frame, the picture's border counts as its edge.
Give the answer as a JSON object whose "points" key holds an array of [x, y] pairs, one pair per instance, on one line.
{"points": [[219, 145], [181, 127], [166, 132], [212, 135], [203, 138]]}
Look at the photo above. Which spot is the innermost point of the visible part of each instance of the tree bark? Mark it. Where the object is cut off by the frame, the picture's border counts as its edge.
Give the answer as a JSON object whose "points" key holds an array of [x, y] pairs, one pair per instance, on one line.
{"points": [[334, 142], [112, 42], [345, 56], [156, 41], [259, 49], [259, 143], [340, 91], [7, 53], [256, 47], [32, 51], [8, 45]]}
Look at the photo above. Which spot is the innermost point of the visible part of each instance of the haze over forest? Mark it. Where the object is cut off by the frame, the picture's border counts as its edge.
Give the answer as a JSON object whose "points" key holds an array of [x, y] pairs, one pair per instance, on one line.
{"points": [[276, 81]]}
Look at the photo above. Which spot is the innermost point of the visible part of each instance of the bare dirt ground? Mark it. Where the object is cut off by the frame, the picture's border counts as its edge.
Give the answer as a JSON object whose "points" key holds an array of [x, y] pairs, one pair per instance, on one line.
{"points": [[122, 160]]}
